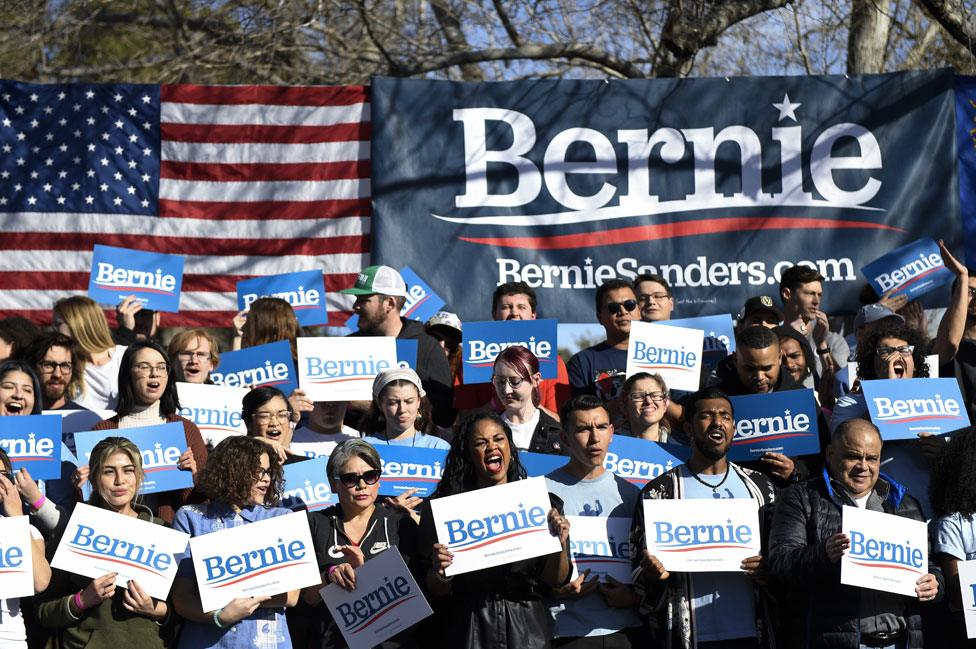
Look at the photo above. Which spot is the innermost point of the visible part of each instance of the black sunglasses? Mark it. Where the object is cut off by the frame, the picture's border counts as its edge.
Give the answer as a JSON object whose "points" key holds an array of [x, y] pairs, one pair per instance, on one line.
{"points": [[352, 479], [626, 305]]}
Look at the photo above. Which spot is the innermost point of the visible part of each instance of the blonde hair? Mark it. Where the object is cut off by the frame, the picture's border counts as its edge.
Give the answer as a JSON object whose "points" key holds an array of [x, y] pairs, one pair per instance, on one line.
{"points": [[87, 323], [183, 339], [101, 453]]}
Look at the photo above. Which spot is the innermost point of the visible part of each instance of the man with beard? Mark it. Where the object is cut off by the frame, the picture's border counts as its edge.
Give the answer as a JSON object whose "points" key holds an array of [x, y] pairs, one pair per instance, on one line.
{"points": [[54, 358], [727, 609]]}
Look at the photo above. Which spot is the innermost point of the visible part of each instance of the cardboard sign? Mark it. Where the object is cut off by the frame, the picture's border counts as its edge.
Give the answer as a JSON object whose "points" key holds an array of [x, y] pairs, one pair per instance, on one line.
{"points": [[16, 562], [702, 534], [256, 367], [406, 467], [496, 525], [215, 409], [98, 541], [307, 485], [268, 557], [777, 422], [34, 443], [967, 586], [304, 291], [673, 352], [386, 601], [638, 461], [719, 335], [154, 278], [911, 270], [903, 408], [343, 369], [482, 342], [422, 302], [161, 447], [601, 545], [887, 552]]}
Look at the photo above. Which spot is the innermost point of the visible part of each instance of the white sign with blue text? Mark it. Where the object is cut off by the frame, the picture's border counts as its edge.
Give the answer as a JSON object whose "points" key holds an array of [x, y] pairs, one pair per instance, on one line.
{"points": [[483, 341], [161, 447], [702, 534], [304, 291], [407, 467], [215, 409], [271, 556], [901, 409], [776, 422], [385, 602], [911, 270], [719, 335], [16, 562], [33, 442], [422, 302], [307, 485], [496, 525], [673, 352], [98, 541], [256, 367], [154, 278], [600, 544], [343, 369], [967, 586], [887, 552]]}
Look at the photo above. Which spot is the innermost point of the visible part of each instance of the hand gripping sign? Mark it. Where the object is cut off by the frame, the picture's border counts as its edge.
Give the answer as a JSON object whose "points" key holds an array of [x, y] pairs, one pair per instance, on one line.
{"points": [[600, 544], [494, 526], [160, 446], [34, 443], [702, 534], [154, 278], [16, 564], [268, 557], [911, 270], [887, 552], [304, 291], [903, 408], [386, 601], [215, 409], [98, 541], [673, 352], [343, 369], [483, 341]]}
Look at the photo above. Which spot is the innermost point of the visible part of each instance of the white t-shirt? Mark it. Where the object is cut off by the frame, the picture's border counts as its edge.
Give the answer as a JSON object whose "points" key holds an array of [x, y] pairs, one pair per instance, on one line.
{"points": [[13, 633], [522, 433], [102, 383], [309, 443]]}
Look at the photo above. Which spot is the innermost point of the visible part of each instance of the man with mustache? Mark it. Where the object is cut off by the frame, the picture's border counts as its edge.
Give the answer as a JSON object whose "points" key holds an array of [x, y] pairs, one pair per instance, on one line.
{"points": [[54, 358]]}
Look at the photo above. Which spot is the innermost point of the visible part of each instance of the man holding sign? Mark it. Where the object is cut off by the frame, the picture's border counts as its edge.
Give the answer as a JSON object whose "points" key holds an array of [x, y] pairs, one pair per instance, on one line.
{"points": [[806, 546], [728, 609]]}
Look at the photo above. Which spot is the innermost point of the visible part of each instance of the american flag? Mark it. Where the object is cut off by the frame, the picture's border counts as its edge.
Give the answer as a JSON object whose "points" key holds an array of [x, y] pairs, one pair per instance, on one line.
{"points": [[242, 180]]}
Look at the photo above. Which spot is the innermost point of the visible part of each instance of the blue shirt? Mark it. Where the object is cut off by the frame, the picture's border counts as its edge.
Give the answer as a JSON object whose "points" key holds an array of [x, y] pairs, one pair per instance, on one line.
{"points": [[723, 602], [954, 535], [419, 440], [266, 628]]}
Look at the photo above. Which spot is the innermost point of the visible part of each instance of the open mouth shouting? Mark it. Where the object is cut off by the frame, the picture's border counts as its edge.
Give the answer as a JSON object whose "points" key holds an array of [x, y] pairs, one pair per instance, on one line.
{"points": [[494, 463], [14, 406]]}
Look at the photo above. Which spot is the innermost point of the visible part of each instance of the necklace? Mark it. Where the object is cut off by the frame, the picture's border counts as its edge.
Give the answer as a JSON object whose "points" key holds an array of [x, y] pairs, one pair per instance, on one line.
{"points": [[715, 487]]}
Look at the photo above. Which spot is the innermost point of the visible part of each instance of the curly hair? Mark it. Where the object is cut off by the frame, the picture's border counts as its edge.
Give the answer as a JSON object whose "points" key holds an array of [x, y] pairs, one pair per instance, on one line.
{"points": [[952, 488], [231, 469], [866, 350], [459, 475]]}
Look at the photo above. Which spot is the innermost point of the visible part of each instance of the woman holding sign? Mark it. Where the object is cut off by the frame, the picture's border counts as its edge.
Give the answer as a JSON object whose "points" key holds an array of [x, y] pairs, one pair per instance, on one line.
{"points": [[400, 413], [469, 607]]}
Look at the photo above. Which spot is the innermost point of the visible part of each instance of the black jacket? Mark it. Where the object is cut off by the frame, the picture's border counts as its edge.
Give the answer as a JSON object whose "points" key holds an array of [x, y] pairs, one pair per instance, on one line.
{"points": [[820, 611], [545, 437]]}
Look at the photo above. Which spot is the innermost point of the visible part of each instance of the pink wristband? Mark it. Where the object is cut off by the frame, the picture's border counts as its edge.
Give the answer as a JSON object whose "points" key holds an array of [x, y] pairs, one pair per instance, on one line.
{"points": [[331, 570], [38, 504], [78, 603]]}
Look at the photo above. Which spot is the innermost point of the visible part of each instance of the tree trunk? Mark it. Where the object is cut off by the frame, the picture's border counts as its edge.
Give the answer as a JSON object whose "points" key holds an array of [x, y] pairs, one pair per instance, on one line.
{"points": [[867, 37]]}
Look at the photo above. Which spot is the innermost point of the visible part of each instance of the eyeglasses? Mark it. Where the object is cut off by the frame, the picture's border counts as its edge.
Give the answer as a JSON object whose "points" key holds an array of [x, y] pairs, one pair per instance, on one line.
{"points": [[264, 418], [904, 350], [644, 298], [262, 473], [48, 367], [145, 369], [513, 382], [200, 356], [655, 397], [626, 305], [352, 479]]}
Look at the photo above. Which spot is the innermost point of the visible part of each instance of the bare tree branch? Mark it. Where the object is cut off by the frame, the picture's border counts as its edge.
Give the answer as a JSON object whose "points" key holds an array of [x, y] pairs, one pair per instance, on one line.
{"points": [[507, 23], [956, 19]]}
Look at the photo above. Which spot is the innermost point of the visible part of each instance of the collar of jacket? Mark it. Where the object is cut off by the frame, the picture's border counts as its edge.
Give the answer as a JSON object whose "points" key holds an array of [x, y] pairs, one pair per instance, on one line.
{"points": [[887, 489]]}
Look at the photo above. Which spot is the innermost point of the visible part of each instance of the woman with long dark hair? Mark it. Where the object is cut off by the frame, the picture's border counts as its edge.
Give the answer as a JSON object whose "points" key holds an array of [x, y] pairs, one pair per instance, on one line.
{"points": [[268, 416]]}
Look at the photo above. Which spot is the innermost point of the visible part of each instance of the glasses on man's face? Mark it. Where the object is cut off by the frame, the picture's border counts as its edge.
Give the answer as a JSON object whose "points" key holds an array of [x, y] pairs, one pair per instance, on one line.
{"points": [[904, 350], [199, 356], [352, 479], [513, 382], [264, 418], [640, 397], [626, 305], [48, 367], [144, 369], [644, 298]]}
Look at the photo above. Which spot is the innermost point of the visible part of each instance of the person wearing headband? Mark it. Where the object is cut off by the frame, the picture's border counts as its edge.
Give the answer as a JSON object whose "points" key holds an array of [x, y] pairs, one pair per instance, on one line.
{"points": [[400, 412]]}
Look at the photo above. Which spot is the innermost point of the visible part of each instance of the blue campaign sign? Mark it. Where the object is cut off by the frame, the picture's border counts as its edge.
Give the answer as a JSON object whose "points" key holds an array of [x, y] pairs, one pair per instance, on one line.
{"points": [[778, 422], [34, 443], [637, 461], [307, 485], [161, 447], [911, 270], [901, 409], [407, 467], [304, 291], [154, 278], [719, 339], [406, 351], [269, 364], [422, 302], [539, 464], [482, 342]]}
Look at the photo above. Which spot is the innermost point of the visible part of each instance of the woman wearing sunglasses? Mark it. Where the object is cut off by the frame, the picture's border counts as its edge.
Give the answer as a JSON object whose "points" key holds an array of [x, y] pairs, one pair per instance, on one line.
{"points": [[354, 531], [516, 380], [400, 412], [244, 480]]}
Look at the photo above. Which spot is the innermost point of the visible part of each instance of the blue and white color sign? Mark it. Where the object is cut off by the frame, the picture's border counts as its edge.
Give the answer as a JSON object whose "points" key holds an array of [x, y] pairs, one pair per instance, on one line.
{"points": [[304, 291], [161, 447], [967, 586], [483, 341], [343, 369], [673, 352], [215, 409], [901, 409], [406, 467], [16, 565], [422, 302], [638, 461], [307, 485], [154, 278], [34, 443], [269, 364], [406, 352], [600, 544], [888, 552], [719, 340], [778, 422], [911, 270]]}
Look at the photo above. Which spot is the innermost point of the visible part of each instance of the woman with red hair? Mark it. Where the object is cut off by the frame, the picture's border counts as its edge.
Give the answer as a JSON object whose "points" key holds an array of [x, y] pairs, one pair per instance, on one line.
{"points": [[516, 379]]}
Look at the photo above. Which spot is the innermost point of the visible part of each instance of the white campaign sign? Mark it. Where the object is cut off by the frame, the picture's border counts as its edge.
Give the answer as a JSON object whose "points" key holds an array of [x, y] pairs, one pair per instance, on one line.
{"points": [[887, 552], [702, 534], [343, 369], [16, 563], [264, 558], [386, 601], [496, 525], [98, 541], [967, 586], [215, 409], [673, 352], [601, 545]]}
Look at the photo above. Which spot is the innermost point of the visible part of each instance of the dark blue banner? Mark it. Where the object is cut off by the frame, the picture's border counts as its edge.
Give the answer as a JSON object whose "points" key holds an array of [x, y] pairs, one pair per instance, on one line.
{"points": [[966, 144], [716, 184]]}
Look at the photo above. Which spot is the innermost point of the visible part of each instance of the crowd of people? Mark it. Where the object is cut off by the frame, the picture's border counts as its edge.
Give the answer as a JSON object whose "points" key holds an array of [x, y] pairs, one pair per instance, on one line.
{"points": [[788, 595]]}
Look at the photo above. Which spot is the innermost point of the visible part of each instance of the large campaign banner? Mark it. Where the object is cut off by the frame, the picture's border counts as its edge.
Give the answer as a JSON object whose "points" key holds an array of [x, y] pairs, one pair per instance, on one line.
{"points": [[966, 146], [716, 184]]}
